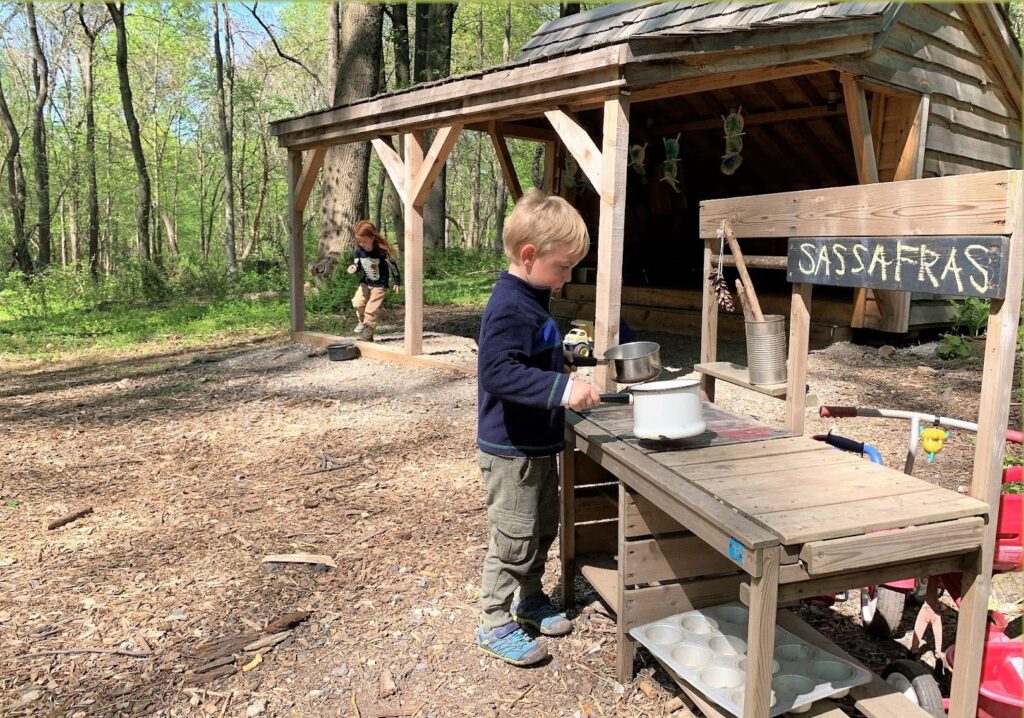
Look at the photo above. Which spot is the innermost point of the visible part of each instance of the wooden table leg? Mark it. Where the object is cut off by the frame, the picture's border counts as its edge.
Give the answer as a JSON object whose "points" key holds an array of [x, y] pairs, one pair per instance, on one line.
{"points": [[764, 602], [567, 517], [972, 624], [624, 648]]}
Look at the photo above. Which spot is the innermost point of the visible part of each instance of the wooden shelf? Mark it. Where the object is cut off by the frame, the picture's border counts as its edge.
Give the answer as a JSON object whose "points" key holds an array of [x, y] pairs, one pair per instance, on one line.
{"points": [[603, 574], [736, 374]]}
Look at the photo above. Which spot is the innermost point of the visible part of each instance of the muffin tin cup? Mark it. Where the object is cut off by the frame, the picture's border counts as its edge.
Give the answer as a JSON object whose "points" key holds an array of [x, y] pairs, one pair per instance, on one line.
{"points": [[707, 648]]}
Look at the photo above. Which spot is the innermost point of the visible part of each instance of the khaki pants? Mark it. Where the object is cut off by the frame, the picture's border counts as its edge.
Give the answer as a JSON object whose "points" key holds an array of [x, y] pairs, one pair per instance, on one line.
{"points": [[367, 301], [522, 520]]}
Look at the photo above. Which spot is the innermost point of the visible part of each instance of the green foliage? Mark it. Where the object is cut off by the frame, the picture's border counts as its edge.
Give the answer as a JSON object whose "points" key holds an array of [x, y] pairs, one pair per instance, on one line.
{"points": [[1014, 487], [954, 346], [971, 315]]}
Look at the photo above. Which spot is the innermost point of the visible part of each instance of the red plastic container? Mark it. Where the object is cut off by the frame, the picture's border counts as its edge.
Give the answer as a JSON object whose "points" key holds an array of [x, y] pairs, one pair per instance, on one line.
{"points": [[1002, 686]]}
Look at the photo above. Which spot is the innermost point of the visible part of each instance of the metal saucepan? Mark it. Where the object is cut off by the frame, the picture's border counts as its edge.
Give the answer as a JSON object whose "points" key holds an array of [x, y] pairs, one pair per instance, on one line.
{"points": [[663, 410], [628, 363]]}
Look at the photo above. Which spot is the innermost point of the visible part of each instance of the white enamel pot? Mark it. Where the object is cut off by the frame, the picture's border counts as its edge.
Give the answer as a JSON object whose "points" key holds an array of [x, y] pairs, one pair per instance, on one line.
{"points": [[663, 409]]}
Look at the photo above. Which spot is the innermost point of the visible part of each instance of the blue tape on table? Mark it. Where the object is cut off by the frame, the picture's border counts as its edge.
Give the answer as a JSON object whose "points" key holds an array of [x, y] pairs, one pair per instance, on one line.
{"points": [[735, 550]]}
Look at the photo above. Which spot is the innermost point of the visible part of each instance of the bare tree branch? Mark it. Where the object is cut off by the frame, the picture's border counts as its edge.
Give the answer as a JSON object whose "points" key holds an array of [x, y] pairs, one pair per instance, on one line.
{"points": [[281, 53]]}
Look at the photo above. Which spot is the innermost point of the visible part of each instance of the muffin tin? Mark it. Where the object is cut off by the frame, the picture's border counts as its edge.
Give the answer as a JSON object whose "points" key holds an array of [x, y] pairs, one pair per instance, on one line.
{"points": [[708, 649]]}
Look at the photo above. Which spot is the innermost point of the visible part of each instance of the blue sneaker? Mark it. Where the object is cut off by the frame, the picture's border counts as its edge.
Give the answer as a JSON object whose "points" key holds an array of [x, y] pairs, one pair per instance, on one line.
{"points": [[511, 644], [538, 612]]}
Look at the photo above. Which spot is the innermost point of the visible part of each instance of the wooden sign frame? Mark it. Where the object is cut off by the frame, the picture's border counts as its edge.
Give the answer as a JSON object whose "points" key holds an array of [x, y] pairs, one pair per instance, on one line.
{"points": [[947, 265]]}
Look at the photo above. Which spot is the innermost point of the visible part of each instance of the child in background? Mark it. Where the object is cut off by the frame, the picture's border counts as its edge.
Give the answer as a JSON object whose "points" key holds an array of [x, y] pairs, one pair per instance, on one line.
{"points": [[521, 423], [375, 261]]}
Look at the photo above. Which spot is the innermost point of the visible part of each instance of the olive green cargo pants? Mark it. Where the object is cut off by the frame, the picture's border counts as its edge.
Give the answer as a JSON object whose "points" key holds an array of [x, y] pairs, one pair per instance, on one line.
{"points": [[522, 519]]}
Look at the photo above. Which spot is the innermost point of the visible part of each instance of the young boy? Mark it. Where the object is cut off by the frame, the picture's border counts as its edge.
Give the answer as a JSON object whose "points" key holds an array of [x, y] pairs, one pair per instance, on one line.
{"points": [[521, 422]]}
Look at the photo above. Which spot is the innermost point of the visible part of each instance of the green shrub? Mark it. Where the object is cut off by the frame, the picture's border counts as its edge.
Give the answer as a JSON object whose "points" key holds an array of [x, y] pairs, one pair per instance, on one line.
{"points": [[970, 315], [954, 346]]}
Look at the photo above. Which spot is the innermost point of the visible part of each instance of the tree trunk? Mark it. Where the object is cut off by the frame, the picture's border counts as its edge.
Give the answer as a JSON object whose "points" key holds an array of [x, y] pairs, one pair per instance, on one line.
{"points": [[90, 145], [142, 215], [262, 198], [225, 116], [22, 257], [41, 85], [346, 166], [433, 61], [172, 238], [400, 46]]}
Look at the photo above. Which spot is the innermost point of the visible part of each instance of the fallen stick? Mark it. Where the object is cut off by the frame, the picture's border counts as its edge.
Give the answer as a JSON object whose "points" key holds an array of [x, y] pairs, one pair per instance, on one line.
{"points": [[68, 651], [289, 620], [741, 292], [300, 558], [63, 520], [741, 267], [272, 640]]}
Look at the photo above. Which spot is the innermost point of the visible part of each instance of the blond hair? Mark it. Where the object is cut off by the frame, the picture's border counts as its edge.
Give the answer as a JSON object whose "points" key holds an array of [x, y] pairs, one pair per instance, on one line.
{"points": [[548, 222]]}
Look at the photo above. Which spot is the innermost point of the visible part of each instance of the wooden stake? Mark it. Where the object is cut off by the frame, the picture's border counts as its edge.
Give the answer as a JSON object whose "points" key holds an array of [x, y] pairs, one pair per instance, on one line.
{"points": [[741, 267], [741, 292], [57, 523]]}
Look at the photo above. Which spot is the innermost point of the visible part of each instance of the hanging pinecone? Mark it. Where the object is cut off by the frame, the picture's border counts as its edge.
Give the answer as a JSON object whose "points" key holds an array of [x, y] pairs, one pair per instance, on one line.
{"points": [[721, 288]]}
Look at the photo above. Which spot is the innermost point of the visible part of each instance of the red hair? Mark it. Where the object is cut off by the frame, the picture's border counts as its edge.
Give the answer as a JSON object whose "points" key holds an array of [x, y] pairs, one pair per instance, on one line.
{"points": [[364, 229]]}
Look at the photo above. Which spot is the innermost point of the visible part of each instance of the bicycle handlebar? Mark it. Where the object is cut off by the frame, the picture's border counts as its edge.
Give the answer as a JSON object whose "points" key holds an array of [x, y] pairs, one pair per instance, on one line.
{"points": [[841, 412]]}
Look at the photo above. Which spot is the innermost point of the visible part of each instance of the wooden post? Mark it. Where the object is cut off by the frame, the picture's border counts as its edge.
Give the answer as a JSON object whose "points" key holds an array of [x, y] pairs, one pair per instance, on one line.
{"points": [[508, 169], [709, 320], [297, 270], [764, 602], [614, 158], [624, 649], [986, 482], [799, 337], [550, 153], [567, 517], [413, 274]]}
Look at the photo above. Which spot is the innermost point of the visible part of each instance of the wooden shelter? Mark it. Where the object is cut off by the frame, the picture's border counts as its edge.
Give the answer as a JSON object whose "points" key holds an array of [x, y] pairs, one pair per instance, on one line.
{"points": [[831, 95]]}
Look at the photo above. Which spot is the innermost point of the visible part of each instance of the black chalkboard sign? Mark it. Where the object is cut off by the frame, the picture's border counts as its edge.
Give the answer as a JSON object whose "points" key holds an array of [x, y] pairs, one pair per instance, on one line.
{"points": [[955, 266]]}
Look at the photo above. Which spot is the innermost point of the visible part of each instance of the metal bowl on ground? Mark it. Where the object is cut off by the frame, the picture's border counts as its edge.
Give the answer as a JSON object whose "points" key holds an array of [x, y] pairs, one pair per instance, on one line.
{"points": [[342, 351]]}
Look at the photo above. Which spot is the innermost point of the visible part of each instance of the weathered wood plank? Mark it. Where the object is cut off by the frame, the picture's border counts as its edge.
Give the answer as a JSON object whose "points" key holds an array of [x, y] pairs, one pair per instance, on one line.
{"points": [[740, 376], [643, 605], [643, 518], [611, 185], [413, 274], [579, 143], [433, 162], [595, 503], [669, 558], [796, 367], [597, 537], [986, 482], [966, 204], [508, 169], [946, 538], [393, 164], [800, 525], [758, 450], [763, 603], [310, 169]]}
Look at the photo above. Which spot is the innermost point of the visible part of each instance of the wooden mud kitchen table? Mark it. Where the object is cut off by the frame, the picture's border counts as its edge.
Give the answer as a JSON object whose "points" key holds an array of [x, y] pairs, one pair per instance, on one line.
{"points": [[767, 516]]}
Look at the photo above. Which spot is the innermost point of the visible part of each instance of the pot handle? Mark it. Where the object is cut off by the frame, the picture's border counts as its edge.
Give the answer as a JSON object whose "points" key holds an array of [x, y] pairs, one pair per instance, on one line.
{"points": [[619, 398], [578, 360]]}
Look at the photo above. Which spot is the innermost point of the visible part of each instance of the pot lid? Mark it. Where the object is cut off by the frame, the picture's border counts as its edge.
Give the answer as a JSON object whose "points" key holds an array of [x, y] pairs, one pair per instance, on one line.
{"points": [[671, 385]]}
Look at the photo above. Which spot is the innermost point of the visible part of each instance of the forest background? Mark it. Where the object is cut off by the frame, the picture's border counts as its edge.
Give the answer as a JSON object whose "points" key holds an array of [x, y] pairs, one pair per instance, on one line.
{"points": [[141, 195]]}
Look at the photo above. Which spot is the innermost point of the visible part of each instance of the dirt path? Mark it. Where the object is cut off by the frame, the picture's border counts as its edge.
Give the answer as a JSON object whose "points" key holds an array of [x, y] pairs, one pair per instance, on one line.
{"points": [[198, 465]]}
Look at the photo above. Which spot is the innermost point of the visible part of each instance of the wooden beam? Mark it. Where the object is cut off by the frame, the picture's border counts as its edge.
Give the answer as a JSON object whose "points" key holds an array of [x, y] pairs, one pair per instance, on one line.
{"points": [[550, 155], [764, 602], [433, 163], [611, 184], [796, 368], [500, 83], [911, 161], [296, 269], [304, 186], [671, 87], [860, 128], [393, 164], [1002, 49], [580, 145], [373, 350], [709, 318], [413, 248], [960, 204], [508, 169], [516, 130], [986, 482]]}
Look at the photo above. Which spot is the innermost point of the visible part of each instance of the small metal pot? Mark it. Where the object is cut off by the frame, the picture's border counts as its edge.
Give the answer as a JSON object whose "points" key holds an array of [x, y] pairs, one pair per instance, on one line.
{"points": [[664, 410], [628, 363], [342, 351]]}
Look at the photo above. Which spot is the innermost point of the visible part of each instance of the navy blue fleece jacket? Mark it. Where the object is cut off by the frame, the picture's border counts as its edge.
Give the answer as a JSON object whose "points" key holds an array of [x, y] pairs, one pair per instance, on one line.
{"points": [[519, 373]]}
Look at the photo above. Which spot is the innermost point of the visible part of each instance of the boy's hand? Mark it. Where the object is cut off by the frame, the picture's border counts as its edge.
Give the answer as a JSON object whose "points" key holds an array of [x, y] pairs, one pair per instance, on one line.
{"points": [[583, 396], [351, 269], [398, 288]]}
